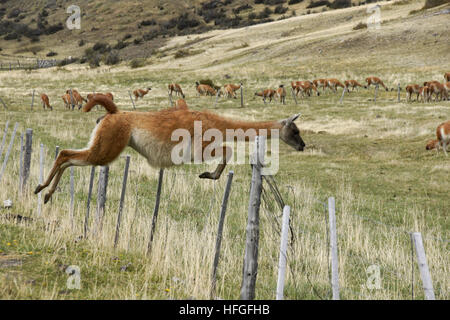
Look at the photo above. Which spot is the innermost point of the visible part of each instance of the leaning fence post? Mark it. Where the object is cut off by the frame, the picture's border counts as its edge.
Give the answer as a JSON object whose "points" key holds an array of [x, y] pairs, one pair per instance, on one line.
{"points": [[398, 92], [4, 138], [376, 92], [72, 102], [242, 96], [41, 178], [56, 152], [283, 249], [122, 199], [21, 163], [217, 97], [293, 95], [4, 105], [88, 206], [423, 266], [155, 210], [219, 233], [343, 93], [72, 191], [101, 196], [11, 142], [32, 100], [131, 98], [333, 247], [250, 267]]}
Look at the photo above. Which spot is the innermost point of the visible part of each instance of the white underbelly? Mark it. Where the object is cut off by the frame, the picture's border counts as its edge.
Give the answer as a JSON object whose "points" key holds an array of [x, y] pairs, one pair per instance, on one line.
{"points": [[158, 153]]}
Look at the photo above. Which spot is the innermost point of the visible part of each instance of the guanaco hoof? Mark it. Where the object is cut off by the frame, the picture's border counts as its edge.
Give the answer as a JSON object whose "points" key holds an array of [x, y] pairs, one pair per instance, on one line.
{"points": [[47, 197], [38, 189], [208, 175]]}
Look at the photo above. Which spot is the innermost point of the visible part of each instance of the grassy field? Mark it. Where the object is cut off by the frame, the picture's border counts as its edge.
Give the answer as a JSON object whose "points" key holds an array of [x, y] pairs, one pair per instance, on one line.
{"points": [[370, 156]]}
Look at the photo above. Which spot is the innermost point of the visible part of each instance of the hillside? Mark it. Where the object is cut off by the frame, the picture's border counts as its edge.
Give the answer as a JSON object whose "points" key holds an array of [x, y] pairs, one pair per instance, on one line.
{"points": [[133, 28]]}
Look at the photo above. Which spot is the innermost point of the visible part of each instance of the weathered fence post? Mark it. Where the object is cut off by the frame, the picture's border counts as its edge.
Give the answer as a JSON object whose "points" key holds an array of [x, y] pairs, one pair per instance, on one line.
{"points": [[41, 178], [294, 96], [4, 105], [21, 163], [398, 92], [283, 253], [219, 233], [131, 98], [4, 138], [376, 92], [217, 97], [27, 157], [56, 152], [72, 102], [88, 206], [155, 210], [242, 95], [32, 100], [250, 267], [333, 247], [11, 142], [72, 192], [343, 93], [101, 196], [122, 199], [423, 266], [170, 99]]}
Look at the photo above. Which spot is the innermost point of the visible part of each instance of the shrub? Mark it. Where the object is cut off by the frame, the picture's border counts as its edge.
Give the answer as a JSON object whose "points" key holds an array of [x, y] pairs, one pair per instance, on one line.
{"points": [[294, 2], [112, 58], [360, 25], [137, 41], [101, 47], [339, 4], [318, 3], [51, 54], [81, 43], [120, 45], [14, 13], [279, 9], [434, 3], [137, 63]]}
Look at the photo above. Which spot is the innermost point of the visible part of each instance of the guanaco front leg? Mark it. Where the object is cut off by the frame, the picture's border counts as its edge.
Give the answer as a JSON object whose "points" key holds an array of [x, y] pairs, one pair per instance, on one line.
{"points": [[226, 155]]}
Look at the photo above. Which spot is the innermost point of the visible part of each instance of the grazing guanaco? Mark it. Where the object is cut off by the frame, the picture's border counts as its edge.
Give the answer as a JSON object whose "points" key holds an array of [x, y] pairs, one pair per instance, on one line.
{"points": [[424, 93], [230, 89], [447, 76], [375, 81], [443, 138], [267, 93], [304, 87], [66, 99], [205, 90], [140, 93], [177, 88], [321, 83], [77, 98], [281, 94], [150, 134], [334, 83], [45, 101], [353, 84], [411, 89], [438, 90], [447, 86]]}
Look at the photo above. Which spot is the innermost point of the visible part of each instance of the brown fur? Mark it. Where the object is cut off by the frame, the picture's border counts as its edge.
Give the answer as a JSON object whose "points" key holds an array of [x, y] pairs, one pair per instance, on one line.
{"points": [[375, 81], [205, 90], [438, 90], [177, 88], [334, 83], [180, 104], [443, 137], [321, 83], [353, 84], [410, 89], [281, 94], [149, 133], [424, 93], [45, 101], [267, 93], [447, 76], [140, 93]]}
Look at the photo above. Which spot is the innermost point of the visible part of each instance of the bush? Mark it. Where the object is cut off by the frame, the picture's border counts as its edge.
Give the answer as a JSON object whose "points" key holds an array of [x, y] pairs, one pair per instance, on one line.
{"points": [[81, 43], [112, 58], [120, 45], [51, 54], [101, 47], [14, 13], [279, 9], [360, 25], [434, 3], [137, 63], [318, 3], [340, 4], [294, 2]]}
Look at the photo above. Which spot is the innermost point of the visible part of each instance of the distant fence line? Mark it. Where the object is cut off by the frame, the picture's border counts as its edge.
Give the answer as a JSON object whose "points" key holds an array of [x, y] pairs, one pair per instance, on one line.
{"points": [[18, 65]]}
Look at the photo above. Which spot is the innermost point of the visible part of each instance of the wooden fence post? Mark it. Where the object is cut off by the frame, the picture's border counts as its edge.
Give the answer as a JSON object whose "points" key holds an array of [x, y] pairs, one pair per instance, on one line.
{"points": [[170, 99], [4, 138], [250, 267], [333, 247], [376, 92], [242, 96], [343, 93], [41, 178], [56, 152], [398, 92], [283, 256], [423, 266], [72, 102], [88, 206], [122, 199], [32, 100], [21, 163], [219, 233], [27, 157], [101, 197], [294, 96], [217, 97], [4, 105], [131, 98], [155, 210], [11, 142], [72, 192]]}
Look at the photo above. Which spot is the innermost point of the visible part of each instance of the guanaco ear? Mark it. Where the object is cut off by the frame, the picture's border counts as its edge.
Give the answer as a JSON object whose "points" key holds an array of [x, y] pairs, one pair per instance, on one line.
{"points": [[290, 119]]}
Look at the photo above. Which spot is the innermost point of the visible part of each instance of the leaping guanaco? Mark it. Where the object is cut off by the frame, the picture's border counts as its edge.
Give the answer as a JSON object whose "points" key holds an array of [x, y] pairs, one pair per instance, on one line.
{"points": [[150, 134], [45, 101]]}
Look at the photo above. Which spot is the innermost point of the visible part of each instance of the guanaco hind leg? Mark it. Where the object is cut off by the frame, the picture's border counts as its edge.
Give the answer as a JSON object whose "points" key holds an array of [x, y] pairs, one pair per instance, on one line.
{"points": [[227, 153]]}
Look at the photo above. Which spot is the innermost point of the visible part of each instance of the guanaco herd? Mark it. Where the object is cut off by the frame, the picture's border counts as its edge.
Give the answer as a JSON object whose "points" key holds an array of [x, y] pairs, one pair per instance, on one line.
{"points": [[149, 133]]}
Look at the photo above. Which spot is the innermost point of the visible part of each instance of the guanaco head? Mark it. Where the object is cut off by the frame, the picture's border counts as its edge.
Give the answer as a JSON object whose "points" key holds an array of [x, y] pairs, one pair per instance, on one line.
{"points": [[290, 134], [432, 144], [196, 84]]}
